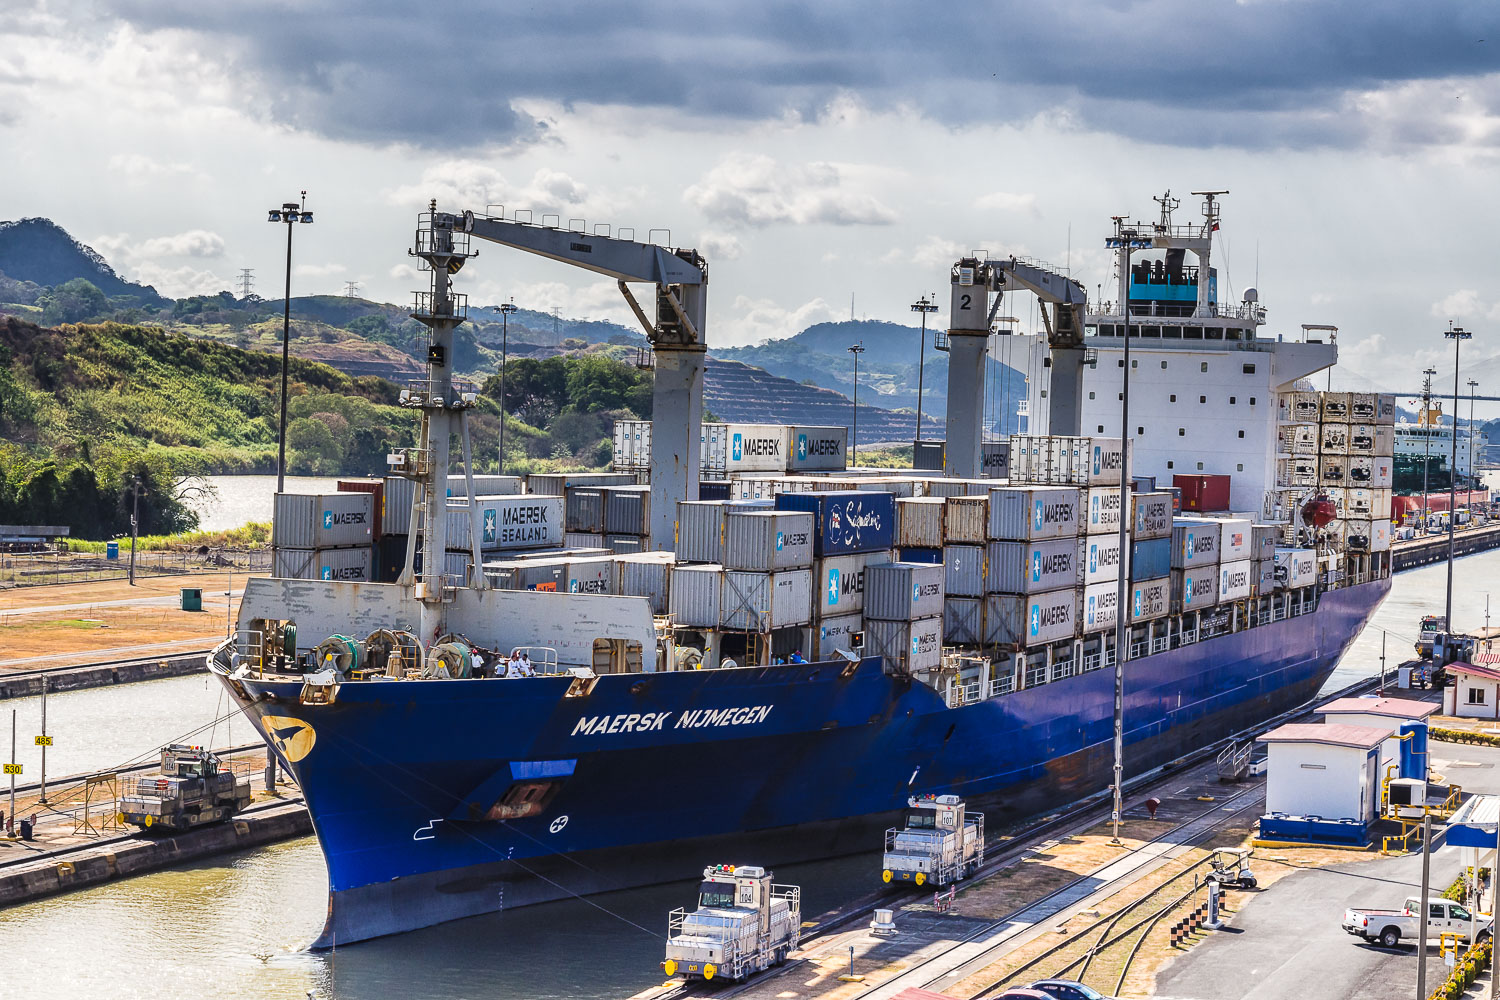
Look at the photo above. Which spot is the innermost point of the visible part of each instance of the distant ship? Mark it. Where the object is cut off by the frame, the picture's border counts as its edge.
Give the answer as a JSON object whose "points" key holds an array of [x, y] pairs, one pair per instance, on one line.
{"points": [[436, 794]]}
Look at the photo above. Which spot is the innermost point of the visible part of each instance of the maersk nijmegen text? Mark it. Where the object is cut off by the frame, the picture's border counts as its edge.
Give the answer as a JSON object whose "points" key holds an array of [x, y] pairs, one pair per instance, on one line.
{"points": [[634, 722]]}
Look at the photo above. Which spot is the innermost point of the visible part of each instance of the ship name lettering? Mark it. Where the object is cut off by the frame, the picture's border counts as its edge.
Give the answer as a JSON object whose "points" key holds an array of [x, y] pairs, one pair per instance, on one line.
{"points": [[742, 716], [632, 722]]}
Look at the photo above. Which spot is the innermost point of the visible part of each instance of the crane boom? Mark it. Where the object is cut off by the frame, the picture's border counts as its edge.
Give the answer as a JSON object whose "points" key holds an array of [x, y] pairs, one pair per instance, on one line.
{"points": [[676, 335]]}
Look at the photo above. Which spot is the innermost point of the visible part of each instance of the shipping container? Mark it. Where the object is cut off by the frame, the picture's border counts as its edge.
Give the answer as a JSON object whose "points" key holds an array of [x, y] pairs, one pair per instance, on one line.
{"points": [[1106, 461], [713, 490], [1151, 559], [700, 530], [949, 487], [1151, 515], [1101, 506], [1380, 535], [1100, 601], [632, 448], [1195, 589], [927, 456], [1362, 407], [841, 583], [1150, 599], [921, 555], [1143, 484], [322, 521], [966, 519], [1361, 439], [757, 448], [919, 522], [846, 521], [1360, 470], [625, 544], [1236, 539], [350, 564], [1236, 580], [902, 590], [1263, 577], [1356, 534], [912, 646], [546, 575], [1385, 408], [485, 486], [817, 449], [963, 570], [1296, 567], [765, 540], [1307, 407], [1099, 558], [508, 522], [584, 539], [694, 595], [591, 575], [833, 634], [627, 510], [1335, 407], [1264, 539], [1333, 470], [1028, 513], [1032, 567], [1202, 492], [1195, 542], [994, 459], [376, 489], [1028, 620], [397, 499], [555, 484], [1359, 503], [585, 509], [760, 602], [1383, 472], [1380, 504], [1333, 439], [900, 487], [963, 620]]}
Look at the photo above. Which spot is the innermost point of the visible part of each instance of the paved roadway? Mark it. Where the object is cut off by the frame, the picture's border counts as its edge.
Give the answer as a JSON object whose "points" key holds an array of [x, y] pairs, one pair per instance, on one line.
{"points": [[1287, 942]]}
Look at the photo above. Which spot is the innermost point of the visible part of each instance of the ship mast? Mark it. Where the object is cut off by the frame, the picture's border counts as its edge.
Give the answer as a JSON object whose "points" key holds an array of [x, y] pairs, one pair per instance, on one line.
{"points": [[443, 250]]}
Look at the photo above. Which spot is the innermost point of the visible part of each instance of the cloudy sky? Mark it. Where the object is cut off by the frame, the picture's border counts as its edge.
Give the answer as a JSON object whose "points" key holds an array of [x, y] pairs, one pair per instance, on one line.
{"points": [[816, 153]]}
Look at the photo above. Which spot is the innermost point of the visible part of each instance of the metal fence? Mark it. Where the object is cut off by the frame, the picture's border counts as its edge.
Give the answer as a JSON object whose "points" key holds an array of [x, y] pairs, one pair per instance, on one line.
{"points": [[34, 569]]}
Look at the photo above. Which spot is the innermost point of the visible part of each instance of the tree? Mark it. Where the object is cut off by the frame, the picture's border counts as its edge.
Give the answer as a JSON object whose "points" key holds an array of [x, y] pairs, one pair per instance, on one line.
{"points": [[313, 447], [72, 302]]}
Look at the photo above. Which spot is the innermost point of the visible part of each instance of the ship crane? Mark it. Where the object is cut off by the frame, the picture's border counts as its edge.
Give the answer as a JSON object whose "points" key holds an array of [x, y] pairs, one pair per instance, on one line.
{"points": [[675, 334], [973, 283]]}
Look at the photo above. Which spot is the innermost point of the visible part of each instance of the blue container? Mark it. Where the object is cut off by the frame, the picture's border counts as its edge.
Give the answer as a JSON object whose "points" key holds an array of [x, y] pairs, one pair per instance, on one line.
{"points": [[921, 555], [1151, 560], [846, 522], [1414, 750], [716, 489], [111, 550]]}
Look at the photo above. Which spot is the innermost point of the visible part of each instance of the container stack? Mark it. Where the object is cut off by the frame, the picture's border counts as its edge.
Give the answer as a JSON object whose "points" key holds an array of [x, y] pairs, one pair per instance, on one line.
{"points": [[1032, 577], [1151, 529], [1195, 563], [767, 579], [851, 531], [904, 615], [1364, 503], [632, 449], [324, 536]]}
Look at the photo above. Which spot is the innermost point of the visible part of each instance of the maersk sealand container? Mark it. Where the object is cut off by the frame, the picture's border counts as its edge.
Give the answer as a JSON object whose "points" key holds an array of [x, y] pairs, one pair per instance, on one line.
{"points": [[846, 521]]}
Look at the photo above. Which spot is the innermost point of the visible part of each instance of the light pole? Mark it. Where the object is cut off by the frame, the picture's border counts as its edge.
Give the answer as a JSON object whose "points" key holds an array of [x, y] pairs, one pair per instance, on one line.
{"points": [[1125, 240], [288, 213], [1426, 424], [1472, 386], [1458, 335], [856, 350], [135, 522], [924, 306], [506, 308]]}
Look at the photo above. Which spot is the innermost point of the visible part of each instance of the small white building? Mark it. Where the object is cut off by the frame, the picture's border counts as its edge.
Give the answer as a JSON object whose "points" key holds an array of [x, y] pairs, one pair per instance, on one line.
{"points": [[1322, 781], [1476, 694], [1379, 713]]}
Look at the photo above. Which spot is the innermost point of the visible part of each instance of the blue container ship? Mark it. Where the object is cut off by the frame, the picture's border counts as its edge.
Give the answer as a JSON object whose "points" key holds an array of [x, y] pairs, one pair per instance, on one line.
{"points": [[633, 750]]}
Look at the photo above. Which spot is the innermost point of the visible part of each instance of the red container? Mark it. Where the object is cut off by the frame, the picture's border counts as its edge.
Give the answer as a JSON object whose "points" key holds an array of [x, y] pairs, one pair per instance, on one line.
{"points": [[1203, 492], [375, 486]]}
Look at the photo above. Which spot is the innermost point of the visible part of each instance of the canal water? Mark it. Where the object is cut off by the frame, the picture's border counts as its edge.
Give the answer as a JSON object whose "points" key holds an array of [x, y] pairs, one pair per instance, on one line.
{"points": [[238, 926], [248, 499]]}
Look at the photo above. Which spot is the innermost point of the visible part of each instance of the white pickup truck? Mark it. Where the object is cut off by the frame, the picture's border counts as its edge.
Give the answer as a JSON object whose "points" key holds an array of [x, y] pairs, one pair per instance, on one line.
{"points": [[1390, 927]]}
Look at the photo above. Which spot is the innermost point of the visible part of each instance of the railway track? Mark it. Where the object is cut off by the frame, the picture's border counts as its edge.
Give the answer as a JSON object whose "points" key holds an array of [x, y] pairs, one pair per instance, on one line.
{"points": [[1084, 813]]}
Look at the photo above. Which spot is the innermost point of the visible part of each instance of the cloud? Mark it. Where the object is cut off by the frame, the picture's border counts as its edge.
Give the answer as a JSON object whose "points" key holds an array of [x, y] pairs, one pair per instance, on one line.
{"points": [[318, 270], [720, 246], [479, 187], [193, 243], [404, 272], [1328, 74], [755, 190], [1464, 304], [177, 282], [753, 320], [1005, 201], [138, 165]]}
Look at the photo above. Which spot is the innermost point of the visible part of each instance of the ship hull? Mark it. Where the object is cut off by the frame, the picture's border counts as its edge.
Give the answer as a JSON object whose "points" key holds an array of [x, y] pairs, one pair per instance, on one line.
{"points": [[649, 777]]}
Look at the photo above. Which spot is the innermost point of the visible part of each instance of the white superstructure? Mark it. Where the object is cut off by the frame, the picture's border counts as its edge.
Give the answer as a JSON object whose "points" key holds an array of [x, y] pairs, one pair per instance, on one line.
{"points": [[1203, 381]]}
